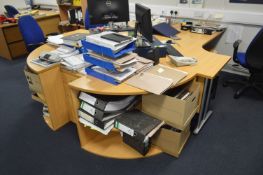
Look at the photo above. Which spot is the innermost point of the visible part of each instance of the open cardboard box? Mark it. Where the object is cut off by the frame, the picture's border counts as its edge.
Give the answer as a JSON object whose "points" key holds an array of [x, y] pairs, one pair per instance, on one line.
{"points": [[175, 112], [171, 141]]}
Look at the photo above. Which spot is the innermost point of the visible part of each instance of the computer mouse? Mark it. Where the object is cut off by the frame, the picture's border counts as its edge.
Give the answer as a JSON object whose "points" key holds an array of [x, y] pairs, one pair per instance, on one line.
{"points": [[169, 42]]}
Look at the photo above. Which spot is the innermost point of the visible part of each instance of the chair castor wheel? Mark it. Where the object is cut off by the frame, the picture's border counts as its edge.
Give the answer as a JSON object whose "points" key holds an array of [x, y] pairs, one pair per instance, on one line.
{"points": [[236, 95]]}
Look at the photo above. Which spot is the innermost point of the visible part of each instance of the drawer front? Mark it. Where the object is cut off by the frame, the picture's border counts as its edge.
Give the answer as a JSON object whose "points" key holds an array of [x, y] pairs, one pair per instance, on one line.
{"points": [[12, 34], [33, 81], [17, 49]]}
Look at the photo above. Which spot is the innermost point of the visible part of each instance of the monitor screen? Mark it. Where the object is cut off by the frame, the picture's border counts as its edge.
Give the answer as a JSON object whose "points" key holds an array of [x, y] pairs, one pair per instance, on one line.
{"points": [[104, 11], [144, 21]]}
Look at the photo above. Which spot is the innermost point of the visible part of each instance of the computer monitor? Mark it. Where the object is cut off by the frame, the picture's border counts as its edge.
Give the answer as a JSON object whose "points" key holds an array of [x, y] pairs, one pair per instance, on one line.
{"points": [[104, 11], [144, 22]]}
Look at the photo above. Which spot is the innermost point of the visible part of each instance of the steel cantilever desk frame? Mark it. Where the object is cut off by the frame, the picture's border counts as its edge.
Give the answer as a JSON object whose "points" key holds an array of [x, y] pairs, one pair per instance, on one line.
{"points": [[57, 83]]}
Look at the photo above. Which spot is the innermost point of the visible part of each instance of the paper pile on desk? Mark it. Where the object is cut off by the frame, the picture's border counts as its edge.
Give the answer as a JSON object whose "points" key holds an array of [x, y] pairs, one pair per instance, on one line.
{"points": [[157, 79], [114, 46]]}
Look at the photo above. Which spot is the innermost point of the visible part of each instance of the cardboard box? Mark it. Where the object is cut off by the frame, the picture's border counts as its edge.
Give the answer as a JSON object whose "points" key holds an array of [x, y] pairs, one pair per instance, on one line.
{"points": [[170, 141], [175, 112], [33, 81]]}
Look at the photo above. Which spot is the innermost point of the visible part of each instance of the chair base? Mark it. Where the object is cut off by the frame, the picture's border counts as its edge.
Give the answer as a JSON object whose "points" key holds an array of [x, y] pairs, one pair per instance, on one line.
{"points": [[246, 85]]}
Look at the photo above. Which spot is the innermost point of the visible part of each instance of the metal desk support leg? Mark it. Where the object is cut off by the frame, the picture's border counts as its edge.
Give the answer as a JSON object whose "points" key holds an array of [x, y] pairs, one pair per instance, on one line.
{"points": [[204, 113]]}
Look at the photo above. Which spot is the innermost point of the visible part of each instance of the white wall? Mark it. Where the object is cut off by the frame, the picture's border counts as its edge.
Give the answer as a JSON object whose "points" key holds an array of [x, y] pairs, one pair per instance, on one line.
{"points": [[213, 4], [21, 3], [15, 3]]}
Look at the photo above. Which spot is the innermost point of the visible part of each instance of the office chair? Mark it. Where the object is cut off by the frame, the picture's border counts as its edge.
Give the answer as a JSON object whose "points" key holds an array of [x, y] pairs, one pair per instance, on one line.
{"points": [[87, 22], [251, 60], [31, 32], [11, 11]]}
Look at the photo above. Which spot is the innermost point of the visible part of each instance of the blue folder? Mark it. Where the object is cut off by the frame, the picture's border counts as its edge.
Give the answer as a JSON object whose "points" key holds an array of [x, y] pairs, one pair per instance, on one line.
{"points": [[101, 76], [101, 63], [107, 51]]}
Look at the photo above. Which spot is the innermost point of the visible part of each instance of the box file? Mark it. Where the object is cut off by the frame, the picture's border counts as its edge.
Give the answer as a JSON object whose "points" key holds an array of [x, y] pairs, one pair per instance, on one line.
{"points": [[136, 124], [140, 146], [101, 76], [107, 51], [98, 114], [92, 126], [101, 124], [137, 129], [107, 103], [104, 115]]}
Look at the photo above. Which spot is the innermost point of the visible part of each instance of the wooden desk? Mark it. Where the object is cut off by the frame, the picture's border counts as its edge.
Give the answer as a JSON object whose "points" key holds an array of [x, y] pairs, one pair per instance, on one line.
{"points": [[12, 44], [60, 89]]}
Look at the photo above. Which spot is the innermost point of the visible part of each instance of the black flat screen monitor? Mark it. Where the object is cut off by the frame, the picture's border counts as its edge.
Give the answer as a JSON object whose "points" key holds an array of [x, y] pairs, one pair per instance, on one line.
{"points": [[104, 11], [144, 21]]}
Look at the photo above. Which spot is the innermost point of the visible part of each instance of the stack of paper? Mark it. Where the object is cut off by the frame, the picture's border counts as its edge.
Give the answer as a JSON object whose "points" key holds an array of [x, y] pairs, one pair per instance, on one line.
{"points": [[69, 57], [157, 79], [74, 40], [55, 40], [75, 62], [110, 67], [99, 40]]}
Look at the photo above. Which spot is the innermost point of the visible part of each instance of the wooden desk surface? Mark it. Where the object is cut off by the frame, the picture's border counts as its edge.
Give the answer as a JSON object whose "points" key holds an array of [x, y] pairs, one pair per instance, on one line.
{"points": [[42, 15], [191, 44]]}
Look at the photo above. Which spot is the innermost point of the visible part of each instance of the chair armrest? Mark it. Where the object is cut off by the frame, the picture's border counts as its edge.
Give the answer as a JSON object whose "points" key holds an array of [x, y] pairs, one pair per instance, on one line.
{"points": [[236, 45]]}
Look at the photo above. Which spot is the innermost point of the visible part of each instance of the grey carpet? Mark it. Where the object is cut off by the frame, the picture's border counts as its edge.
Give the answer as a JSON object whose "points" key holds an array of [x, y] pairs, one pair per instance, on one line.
{"points": [[231, 142]]}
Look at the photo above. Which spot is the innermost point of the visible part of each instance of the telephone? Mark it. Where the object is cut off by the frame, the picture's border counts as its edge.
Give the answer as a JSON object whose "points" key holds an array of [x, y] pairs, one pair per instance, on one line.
{"points": [[182, 61]]}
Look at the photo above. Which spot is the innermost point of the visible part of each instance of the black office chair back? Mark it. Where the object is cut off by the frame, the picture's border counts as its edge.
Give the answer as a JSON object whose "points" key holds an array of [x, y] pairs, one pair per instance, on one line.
{"points": [[254, 53]]}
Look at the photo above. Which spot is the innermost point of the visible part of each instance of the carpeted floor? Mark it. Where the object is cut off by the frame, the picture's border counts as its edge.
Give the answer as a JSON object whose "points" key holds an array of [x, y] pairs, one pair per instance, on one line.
{"points": [[230, 144]]}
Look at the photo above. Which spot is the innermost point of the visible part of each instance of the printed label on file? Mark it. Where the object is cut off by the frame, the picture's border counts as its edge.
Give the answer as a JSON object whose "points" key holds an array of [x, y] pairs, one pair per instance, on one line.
{"points": [[125, 129], [89, 99], [89, 109]]}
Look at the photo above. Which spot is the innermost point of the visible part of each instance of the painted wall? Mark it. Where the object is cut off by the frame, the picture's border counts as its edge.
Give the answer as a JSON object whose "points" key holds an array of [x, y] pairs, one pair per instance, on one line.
{"points": [[21, 3], [213, 4], [15, 3]]}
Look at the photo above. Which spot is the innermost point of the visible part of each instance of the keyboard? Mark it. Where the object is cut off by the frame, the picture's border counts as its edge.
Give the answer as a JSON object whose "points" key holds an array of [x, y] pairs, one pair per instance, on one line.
{"points": [[172, 51]]}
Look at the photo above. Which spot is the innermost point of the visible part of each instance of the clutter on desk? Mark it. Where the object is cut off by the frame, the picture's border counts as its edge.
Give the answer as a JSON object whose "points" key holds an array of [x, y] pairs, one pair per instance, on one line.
{"points": [[204, 28], [186, 25], [109, 66], [55, 40], [74, 39], [99, 112], [182, 61], [99, 44], [68, 57], [157, 79], [165, 29], [6, 20], [138, 128]]}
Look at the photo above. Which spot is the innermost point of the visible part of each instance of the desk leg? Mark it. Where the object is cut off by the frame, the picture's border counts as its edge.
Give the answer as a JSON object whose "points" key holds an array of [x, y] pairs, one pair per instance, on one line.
{"points": [[205, 113]]}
